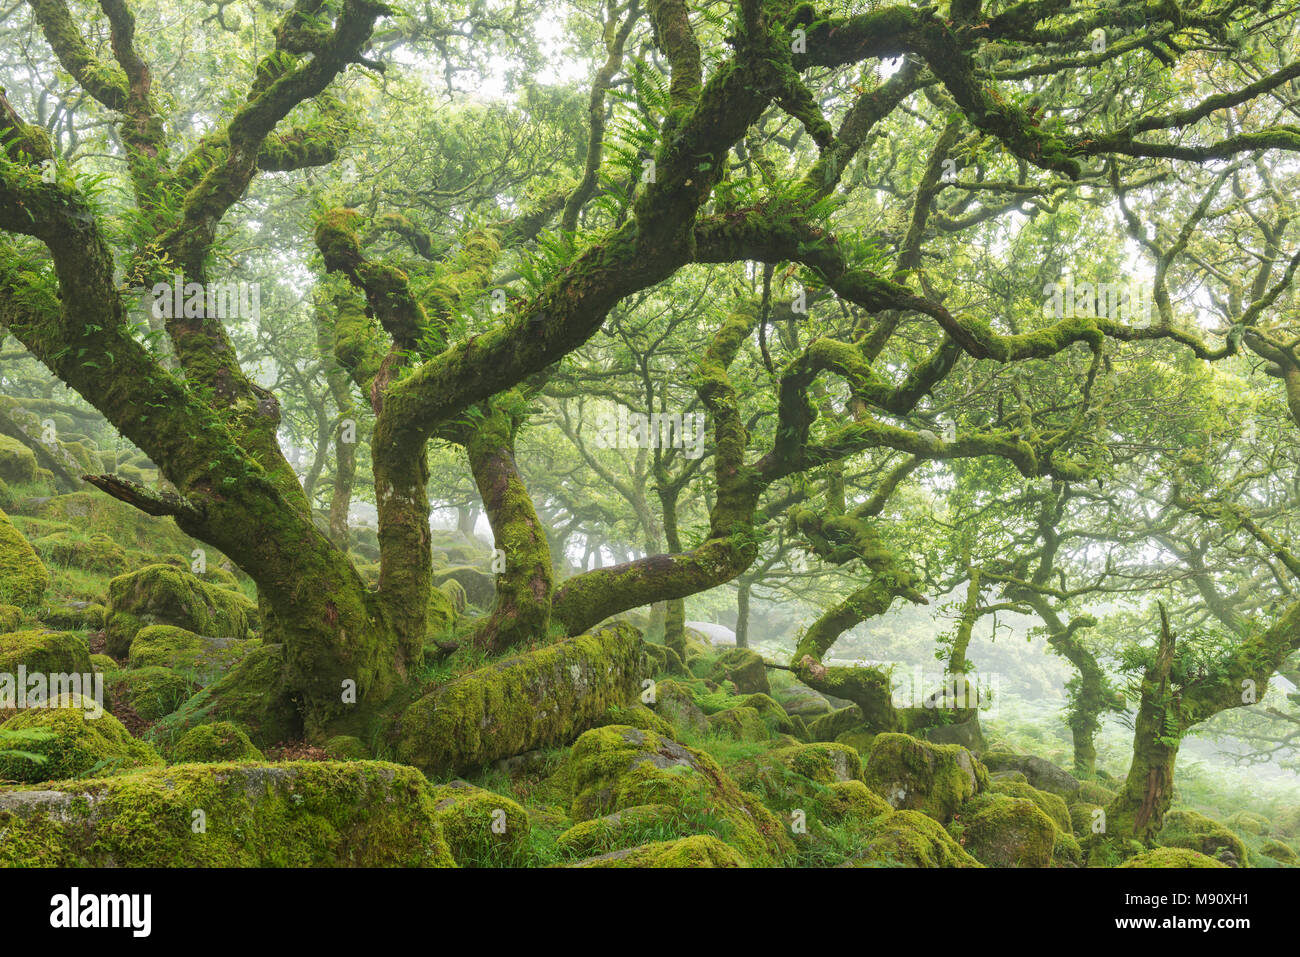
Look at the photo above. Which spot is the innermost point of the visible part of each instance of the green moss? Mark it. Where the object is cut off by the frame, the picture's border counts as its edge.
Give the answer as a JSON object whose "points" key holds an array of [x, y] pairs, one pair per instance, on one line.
{"points": [[909, 839], [740, 724], [150, 692], [1082, 816], [533, 700], [201, 657], [1282, 853], [44, 652], [1247, 822], [103, 664], [483, 829], [163, 595], [628, 828], [1091, 792], [700, 850], [23, 579], [1003, 831], [743, 668], [617, 767], [345, 747], [916, 775], [637, 715], [304, 814], [1053, 805], [1188, 829], [80, 745], [674, 701], [252, 694], [213, 744], [1066, 851], [1171, 857], [17, 462], [822, 763]]}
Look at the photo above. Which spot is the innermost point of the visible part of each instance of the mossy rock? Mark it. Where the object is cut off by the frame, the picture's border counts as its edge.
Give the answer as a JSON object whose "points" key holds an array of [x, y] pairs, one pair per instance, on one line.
{"points": [[94, 512], [252, 694], [700, 850], [1039, 772], [1171, 857], [150, 692], [1286, 821], [537, 699], [1066, 851], [966, 733], [1247, 822], [76, 616], [637, 715], [17, 461], [103, 664], [628, 828], [479, 587], [739, 724], [303, 814], [830, 726], [1082, 816], [483, 829], [346, 747], [23, 579], [773, 715], [215, 743], [201, 657], [860, 739], [1093, 792], [96, 553], [909, 839], [617, 767], [1282, 853], [11, 617], [801, 700], [78, 744], [442, 614], [916, 775], [664, 660], [1053, 805], [743, 668], [823, 763], [1196, 832], [1003, 831], [44, 652], [163, 595], [455, 593], [675, 703]]}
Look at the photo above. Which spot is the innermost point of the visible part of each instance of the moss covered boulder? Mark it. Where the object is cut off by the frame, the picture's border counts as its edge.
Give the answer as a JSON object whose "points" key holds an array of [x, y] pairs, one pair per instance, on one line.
{"points": [[628, 828], [201, 657], [739, 724], [23, 579], [252, 695], [149, 692], [700, 850], [1053, 805], [163, 595], [44, 652], [674, 702], [1282, 853], [831, 725], [909, 839], [76, 744], [483, 829], [919, 776], [1247, 822], [1171, 857], [743, 668], [11, 616], [538, 699], [1003, 831], [801, 700], [304, 814], [96, 553], [615, 767], [17, 461], [823, 763], [215, 743], [1194, 831], [1039, 772]]}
